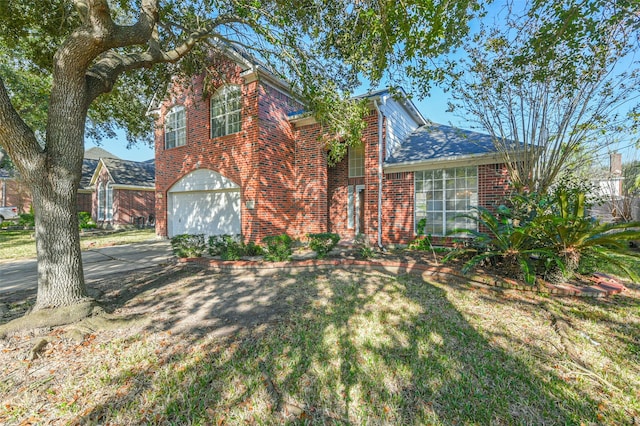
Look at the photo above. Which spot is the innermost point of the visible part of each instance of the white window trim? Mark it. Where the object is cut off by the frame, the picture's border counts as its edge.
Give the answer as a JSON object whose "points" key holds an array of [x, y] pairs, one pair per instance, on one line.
{"points": [[352, 219], [180, 129], [108, 210], [223, 94], [444, 200], [352, 157], [101, 203]]}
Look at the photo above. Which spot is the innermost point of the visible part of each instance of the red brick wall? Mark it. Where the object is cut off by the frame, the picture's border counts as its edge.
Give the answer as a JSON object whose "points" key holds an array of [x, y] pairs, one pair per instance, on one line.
{"points": [[131, 204], [259, 158], [311, 182], [397, 208], [17, 194], [85, 201], [493, 184]]}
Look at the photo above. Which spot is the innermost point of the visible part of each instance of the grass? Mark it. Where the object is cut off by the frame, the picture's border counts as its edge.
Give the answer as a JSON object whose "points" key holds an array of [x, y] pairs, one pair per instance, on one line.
{"points": [[341, 347], [21, 244]]}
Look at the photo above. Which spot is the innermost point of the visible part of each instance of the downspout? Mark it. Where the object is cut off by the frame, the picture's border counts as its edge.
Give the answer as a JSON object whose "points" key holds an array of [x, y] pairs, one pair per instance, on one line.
{"points": [[380, 159]]}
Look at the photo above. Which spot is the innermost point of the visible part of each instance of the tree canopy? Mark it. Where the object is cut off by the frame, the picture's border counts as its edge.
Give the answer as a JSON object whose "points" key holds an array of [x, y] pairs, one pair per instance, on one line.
{"points": [[85, 67], [554, 82]]}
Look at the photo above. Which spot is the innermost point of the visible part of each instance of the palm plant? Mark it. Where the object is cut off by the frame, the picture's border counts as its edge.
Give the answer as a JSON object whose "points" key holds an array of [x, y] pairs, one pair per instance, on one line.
{"points": [[571, 236], [497, 239]]}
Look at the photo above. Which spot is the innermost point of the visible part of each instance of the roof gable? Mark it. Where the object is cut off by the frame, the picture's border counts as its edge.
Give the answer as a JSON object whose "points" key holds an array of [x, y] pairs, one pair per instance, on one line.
{"points": [[127, 173]]}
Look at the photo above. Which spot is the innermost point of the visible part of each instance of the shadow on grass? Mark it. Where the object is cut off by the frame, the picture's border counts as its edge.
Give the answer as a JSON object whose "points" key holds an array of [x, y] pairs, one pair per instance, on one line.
{"points": [[327, 346]]}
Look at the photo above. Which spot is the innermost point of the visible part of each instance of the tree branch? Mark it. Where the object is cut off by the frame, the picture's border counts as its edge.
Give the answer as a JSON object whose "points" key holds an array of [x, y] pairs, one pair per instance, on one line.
{"points": [[103, 74], [15, 136]]}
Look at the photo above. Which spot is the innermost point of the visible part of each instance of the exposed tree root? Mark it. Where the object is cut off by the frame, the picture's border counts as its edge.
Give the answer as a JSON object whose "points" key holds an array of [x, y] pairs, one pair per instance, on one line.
{"points": [[563, 328], [46, 318]]}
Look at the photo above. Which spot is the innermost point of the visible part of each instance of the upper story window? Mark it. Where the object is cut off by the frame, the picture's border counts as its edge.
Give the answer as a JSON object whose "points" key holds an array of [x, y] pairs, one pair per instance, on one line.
{"points": [[356, 161], [175, 127], [225, 111]]}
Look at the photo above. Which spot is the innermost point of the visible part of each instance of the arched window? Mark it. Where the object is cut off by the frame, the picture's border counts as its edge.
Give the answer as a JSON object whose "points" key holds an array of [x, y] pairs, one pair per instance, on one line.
{"points": [[108, 202], [225, 111], [101, 201], [175, 127]]}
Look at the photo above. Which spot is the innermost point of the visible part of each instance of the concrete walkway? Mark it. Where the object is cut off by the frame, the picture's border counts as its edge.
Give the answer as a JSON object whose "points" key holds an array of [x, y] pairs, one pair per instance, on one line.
{"points": [[98, 264]]}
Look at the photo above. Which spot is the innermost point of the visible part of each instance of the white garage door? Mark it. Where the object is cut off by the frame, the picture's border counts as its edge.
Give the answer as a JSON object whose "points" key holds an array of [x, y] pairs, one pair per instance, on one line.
{"points": [[204, 202]]}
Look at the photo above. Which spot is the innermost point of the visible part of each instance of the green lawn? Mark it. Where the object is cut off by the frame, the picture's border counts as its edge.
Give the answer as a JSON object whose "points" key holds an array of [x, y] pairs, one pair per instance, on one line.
{"points": [[21, 244], [346, 347]]}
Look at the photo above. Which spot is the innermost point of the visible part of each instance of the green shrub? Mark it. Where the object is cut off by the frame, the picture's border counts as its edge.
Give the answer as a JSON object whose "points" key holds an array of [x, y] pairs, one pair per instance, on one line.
{"points": [[85, 221], [323, 243], [253, 249], [188, 245], [421, 244], [278, 247], [367, 252], [27, 220], [230, 247]]}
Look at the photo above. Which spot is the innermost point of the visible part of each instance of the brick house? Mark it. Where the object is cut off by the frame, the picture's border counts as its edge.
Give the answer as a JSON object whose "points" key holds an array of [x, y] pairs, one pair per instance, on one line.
{"points": [[123, 193], [236, 159]]}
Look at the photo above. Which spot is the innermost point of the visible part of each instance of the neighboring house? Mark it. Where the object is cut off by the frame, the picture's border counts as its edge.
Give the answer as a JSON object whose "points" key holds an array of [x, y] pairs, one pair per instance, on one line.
{"points": [[123, 192], [237, 159], [13, 192]]}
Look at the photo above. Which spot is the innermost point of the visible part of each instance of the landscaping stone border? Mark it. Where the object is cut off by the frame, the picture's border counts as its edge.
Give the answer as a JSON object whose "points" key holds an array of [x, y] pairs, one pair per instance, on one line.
{"points": [[603, 285]]}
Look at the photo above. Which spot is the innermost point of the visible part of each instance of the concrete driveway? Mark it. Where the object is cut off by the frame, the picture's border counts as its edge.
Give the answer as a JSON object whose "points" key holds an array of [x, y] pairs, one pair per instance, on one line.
{"points": [[98, 264]]}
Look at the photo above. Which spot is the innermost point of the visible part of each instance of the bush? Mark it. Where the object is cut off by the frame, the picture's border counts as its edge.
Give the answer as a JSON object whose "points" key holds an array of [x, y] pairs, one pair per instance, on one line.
{"points": [[85, 221], [27, 220], [323, 243], [230, 247], [367, 252], [278, 247], [188, 245], [421, 244], [253, 249]]}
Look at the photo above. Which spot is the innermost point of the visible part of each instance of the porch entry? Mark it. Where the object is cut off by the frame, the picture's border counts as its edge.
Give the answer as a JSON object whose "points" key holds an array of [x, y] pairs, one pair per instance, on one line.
{"points": [[355, 210]]}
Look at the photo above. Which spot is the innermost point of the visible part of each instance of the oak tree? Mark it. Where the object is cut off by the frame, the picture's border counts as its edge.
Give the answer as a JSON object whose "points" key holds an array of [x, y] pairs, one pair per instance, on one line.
{"points": [[77, 68]]}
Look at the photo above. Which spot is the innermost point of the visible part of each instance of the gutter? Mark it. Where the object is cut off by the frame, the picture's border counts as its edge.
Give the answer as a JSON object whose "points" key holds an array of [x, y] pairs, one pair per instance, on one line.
{"points": [[380, 159]]}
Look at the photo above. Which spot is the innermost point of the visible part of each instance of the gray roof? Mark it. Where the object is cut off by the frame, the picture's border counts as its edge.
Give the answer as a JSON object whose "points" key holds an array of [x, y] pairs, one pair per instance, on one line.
{"points": [[5, 174], [134, 173], [88, 167], [437, 141], [97, 153]]}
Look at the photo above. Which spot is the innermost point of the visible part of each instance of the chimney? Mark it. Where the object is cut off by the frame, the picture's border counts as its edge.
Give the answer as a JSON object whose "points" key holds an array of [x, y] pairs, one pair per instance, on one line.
{"points": [[615, 164]]}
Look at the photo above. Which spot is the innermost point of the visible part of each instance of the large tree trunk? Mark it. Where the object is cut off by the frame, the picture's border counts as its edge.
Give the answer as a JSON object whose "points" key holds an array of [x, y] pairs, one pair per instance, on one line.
{"points": [[54, 185], [60, 273]]}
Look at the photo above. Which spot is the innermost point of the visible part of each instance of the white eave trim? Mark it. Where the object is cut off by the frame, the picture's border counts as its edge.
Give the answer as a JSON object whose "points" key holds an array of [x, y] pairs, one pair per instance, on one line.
{"points": [[445, 162], [304, 119], [133, 187]]}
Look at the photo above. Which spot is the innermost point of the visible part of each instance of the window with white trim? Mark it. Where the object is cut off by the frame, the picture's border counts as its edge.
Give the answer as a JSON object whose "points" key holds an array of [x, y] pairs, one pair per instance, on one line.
{"points": [[101, 201], [226, 105], [175, 127], [441, 196], [356, 161], [108, 211]]}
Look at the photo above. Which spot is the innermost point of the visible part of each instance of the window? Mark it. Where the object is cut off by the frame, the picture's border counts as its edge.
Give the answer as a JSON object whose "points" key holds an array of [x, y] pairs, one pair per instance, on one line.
{"points": [[101, 201], [105, 201], [356, 161], [175, 128], [225, 111], [442, 195], [108, 211]]}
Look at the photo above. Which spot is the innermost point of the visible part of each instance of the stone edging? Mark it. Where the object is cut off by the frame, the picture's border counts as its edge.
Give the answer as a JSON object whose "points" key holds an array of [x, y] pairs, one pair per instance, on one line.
{"points": [[603, 286]]}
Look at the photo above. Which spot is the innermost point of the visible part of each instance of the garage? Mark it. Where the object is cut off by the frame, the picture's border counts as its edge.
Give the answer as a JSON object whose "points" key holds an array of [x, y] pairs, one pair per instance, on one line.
{"points": [[204, 202]]}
